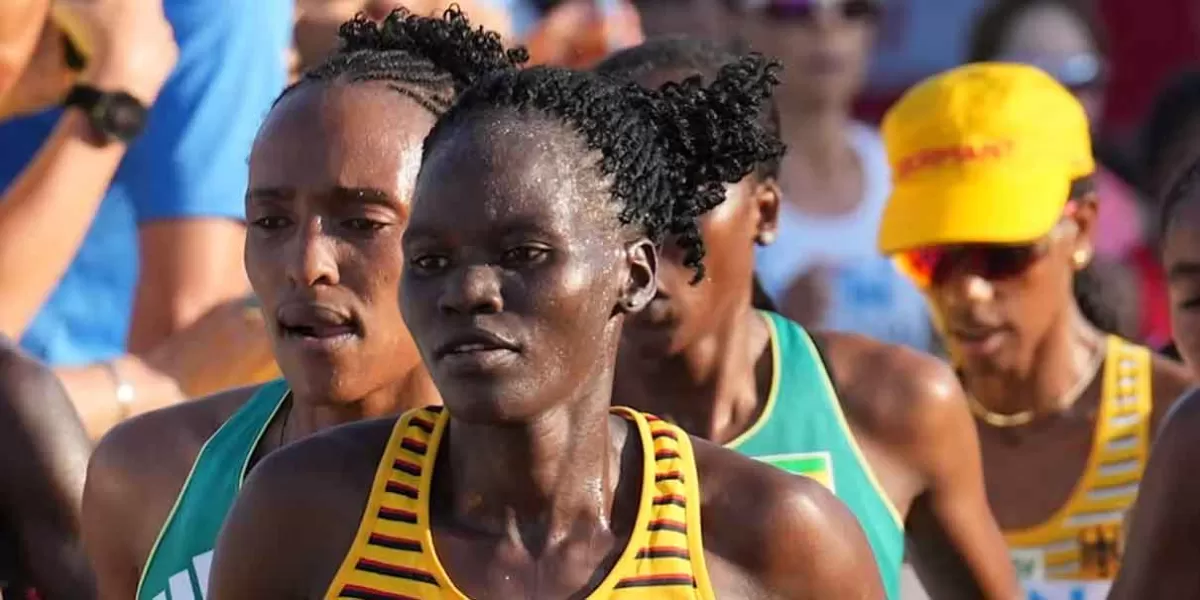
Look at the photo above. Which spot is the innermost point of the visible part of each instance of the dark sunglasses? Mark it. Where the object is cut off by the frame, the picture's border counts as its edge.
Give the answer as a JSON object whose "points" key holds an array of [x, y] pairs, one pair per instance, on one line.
{"points": [[805, 10], [930, 266]]}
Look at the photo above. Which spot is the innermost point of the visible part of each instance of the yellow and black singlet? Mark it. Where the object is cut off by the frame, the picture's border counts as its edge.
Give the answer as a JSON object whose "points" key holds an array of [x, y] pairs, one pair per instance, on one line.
{"points": [[1076, 552], [393, 556]]}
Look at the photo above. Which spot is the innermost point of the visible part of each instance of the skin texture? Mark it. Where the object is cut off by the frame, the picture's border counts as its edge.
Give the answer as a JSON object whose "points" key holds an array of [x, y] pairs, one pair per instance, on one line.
{"points": [[700, 355], [43, 456], [331, 178], [1021, 344], [1161, 554], [534, 494]]}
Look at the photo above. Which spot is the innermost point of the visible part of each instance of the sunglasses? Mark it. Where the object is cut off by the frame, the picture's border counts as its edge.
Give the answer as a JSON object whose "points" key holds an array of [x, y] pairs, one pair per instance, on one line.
{"points": [[806, 10], [930, 266]]}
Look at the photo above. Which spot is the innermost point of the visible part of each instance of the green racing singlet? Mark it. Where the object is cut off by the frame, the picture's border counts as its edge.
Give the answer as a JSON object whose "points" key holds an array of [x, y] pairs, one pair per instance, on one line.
{"points": [[803, 430], [179, 563]]}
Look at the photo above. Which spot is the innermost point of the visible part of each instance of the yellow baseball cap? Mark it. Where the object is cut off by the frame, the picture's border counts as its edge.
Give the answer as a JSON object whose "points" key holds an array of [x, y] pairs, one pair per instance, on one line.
{"points": [[983, 153]]}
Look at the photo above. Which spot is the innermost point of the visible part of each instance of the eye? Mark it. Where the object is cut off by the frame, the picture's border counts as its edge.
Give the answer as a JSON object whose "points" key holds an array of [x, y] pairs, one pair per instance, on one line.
{"points": [[525, 255], [429, 263], [271, 223], [362, 225]]}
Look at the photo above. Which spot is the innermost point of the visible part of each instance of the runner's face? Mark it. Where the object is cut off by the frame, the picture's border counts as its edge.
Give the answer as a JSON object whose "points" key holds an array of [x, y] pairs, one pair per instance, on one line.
{"points": [[994, 313], [518, 270], [1181, 259], [682, 313], [331, 176]]}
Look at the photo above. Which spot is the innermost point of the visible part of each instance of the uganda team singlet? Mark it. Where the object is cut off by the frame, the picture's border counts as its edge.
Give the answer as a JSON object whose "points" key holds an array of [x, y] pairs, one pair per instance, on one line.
{"points": [[179, 563], [803, 430], [393, 555], [1075, 554]]}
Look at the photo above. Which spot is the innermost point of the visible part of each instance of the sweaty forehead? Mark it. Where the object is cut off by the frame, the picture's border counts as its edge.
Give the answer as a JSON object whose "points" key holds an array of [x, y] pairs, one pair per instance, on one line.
{"points": [[322, 135], [504, 167]]}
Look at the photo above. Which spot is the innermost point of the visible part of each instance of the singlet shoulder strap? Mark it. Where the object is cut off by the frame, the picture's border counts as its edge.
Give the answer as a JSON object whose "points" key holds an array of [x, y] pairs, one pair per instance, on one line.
{"points": [[665, 553], [208, 492]]}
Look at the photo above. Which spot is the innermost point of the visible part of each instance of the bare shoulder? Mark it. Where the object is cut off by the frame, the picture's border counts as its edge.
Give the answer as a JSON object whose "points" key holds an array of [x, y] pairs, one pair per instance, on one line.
{"points": [[324, 482], [164, 443], [785, 534], [895, 394], [1169, 382]]}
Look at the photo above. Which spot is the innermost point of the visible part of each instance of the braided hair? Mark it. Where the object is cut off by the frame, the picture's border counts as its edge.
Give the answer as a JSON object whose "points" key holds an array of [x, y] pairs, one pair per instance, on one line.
{"points": [[415, 56], [705, 58], [701, 57], [666, 154]]}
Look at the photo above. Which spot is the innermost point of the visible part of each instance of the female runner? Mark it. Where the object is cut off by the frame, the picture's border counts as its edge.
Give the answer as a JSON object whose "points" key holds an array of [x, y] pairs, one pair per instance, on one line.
{"points": [[540, 202], [328, 199], [884, 427]]}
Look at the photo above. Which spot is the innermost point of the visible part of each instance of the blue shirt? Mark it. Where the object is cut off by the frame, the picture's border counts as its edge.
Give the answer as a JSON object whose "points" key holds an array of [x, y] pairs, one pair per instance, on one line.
{"points": [[189, 163]]}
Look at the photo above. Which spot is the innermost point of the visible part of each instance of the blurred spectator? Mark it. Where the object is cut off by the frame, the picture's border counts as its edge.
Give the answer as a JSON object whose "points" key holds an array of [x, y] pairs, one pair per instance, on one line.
{"points": [[164, 247], [578, 33], [824, 269], [704, 19], [1065, 39]]}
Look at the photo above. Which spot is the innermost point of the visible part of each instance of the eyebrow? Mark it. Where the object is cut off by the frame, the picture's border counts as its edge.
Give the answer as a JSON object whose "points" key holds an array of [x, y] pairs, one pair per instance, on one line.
{"points": [[1184, 270], [340, 193], [270, 193], [364, 195]]}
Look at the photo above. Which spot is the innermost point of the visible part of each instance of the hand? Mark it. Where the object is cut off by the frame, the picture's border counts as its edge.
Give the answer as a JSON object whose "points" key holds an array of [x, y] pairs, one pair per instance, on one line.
{"points": [[129, 44], [227, 347]]}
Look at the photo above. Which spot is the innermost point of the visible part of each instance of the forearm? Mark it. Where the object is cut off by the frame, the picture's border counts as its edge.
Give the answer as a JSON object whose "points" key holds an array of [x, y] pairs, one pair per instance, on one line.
{"points": [[93, 392], [45, 214]]}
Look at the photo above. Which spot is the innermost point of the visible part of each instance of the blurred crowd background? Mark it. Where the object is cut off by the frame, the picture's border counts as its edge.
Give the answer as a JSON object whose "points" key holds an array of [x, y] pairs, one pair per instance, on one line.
{"points": [[132, 286]]}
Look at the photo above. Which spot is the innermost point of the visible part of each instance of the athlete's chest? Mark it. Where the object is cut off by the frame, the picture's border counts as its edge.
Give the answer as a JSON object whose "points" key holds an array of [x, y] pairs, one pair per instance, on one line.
{"points": [[1030, 477]]}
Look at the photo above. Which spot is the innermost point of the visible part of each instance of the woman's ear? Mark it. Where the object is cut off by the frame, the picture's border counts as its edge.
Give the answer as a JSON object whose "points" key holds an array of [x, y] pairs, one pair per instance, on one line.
{"points": [[641, 280], [1084, 216], [767, 197]]}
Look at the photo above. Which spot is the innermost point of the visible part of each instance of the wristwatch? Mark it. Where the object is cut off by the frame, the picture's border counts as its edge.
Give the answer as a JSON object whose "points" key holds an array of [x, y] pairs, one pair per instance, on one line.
{"points": [[114, 115]]}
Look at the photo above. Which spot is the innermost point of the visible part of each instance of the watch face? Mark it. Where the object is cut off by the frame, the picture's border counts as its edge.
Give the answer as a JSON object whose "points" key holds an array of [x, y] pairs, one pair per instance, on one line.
{"points": [[120, 115]]}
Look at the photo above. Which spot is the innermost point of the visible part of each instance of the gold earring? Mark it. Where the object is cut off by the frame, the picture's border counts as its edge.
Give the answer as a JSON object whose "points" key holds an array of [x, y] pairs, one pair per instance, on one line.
{"points": [[1081, 258]]}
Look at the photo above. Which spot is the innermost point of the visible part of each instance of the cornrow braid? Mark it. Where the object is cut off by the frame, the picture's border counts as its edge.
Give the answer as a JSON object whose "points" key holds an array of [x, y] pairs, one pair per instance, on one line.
{"points": [[666, 152], [414, 55]]}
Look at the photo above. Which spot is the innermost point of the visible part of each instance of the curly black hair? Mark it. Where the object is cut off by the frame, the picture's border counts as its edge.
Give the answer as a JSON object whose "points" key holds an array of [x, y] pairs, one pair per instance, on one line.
{"points": [[1183, 187], [696, 57], [1165, 136], [665, 152], [422, 58]]}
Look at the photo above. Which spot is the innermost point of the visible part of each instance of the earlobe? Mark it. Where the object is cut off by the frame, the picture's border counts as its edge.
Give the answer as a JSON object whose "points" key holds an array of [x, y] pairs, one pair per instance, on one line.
{"points": [[767, 197], [641, 282]]}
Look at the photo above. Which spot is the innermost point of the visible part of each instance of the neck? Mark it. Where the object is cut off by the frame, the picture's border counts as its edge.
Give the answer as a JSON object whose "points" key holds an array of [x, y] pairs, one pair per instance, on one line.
{"points": [[538, 483], [709, 387], [1039, 384], [311, 415]]}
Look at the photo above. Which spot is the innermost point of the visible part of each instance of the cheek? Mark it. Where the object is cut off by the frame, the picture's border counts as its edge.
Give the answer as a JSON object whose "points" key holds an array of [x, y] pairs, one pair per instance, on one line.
{"points": [[263, 267]]}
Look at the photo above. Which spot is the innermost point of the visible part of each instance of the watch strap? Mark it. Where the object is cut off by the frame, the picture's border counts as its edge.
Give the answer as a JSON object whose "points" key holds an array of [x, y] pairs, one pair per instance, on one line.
{"points": [[84, 96]]}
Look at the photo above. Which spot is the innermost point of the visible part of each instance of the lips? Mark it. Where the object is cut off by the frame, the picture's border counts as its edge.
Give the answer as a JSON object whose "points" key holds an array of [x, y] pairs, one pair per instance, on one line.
{"points": [[316, 321], [475, 342]]}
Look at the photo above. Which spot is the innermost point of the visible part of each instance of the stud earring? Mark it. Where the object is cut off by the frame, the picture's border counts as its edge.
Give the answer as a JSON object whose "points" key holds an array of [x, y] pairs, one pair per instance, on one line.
{"points": [[1081, 258]]}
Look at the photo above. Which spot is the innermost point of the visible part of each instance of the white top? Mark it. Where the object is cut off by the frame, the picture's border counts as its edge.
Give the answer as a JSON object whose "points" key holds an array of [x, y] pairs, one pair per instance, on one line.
{"points": [[867, 295]]}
